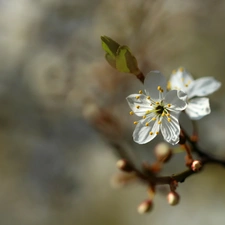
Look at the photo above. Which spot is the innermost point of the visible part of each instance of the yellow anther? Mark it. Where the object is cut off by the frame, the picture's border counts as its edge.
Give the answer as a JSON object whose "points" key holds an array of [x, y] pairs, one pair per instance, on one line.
{"points": [[174, 71], [131, 113], [143, 117], [146, 124], [157, 103], [135, 122], [148, 97], [169, 105], [137, 97], [169, 85], [159, 122], [163, 114], [140, 92], [160, 89], [186, 85], [138, 106], [151, 133], [181, 69], [147, 112], [169, 119], [151, 104], [153, 118], [157, 132]]}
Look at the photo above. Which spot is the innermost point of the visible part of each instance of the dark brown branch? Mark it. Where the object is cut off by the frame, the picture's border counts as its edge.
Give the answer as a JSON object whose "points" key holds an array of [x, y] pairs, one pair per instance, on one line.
{"points": [[205, 157], [141, 77]]}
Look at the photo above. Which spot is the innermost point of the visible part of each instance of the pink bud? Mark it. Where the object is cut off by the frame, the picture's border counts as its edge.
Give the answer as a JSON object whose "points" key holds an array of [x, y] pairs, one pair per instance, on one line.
{"points": [[163, 152], [124, 165], [196, 165], [173, 198], [145, 206]]}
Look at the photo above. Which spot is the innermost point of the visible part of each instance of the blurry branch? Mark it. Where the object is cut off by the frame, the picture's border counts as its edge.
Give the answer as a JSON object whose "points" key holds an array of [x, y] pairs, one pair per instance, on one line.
{"points": [[205, 157], [121, 58]]}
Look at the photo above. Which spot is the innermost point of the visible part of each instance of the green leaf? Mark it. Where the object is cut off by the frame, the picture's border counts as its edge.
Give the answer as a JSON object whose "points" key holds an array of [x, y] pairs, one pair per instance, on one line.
{"points": [[110, 46], [119, 57], [111, 60], [125, 61]]}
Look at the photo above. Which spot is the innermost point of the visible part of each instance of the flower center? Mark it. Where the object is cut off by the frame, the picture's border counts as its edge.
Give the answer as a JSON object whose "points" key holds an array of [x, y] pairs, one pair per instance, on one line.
{"points": [[159, 109]]}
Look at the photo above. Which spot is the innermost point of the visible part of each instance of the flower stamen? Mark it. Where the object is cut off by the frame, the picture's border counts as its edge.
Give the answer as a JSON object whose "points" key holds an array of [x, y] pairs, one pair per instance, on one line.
{"points": [[160, 89], [181, 69]]}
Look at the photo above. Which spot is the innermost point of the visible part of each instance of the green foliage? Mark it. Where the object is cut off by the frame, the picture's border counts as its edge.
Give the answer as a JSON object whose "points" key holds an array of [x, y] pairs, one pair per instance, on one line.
{"points": [[119, 56]]}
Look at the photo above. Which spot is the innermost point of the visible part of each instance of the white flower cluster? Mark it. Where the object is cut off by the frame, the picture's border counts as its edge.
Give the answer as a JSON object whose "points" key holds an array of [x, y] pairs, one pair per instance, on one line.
{"points": [[160, 109]]}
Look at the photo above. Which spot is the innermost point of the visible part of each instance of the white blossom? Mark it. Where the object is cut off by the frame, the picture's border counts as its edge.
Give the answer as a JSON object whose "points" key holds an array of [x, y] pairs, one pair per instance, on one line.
{"points": [[198, 106], [159, 110]]}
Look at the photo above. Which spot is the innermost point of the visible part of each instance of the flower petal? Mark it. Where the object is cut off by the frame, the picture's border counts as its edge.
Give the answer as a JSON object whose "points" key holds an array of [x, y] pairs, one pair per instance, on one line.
{"points": [[203, 87], [180, 80], [198, 108], [175, 98], [152, 80], [171, 130], [139, 104], [142, 134]]}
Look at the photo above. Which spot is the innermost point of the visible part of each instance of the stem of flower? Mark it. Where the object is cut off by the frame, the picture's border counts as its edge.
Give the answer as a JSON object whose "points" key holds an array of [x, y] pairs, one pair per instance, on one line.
{"points": [[194, 136], [205, 157], [188, 158], [141, 77]]}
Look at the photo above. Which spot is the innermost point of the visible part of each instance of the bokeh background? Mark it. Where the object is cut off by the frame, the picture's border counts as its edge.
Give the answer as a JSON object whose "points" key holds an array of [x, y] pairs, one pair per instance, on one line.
{"points": [[55, 167]]}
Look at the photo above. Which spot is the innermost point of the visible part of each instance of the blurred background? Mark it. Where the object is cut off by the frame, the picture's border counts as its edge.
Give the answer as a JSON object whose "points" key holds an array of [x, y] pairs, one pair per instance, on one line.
{"points": [[55, 160]]}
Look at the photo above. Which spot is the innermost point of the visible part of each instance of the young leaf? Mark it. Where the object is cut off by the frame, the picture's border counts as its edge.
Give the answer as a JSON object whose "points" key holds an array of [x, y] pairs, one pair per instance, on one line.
{"points": [[111, 60], [119, 57], [110, 46], [125, 61]]}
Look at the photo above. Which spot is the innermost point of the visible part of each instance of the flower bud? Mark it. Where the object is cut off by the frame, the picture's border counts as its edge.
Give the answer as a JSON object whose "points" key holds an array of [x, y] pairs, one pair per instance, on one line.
{"points": [[173, 198], [196, 165], [163, 152], [123, 165], [145, 207]]}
